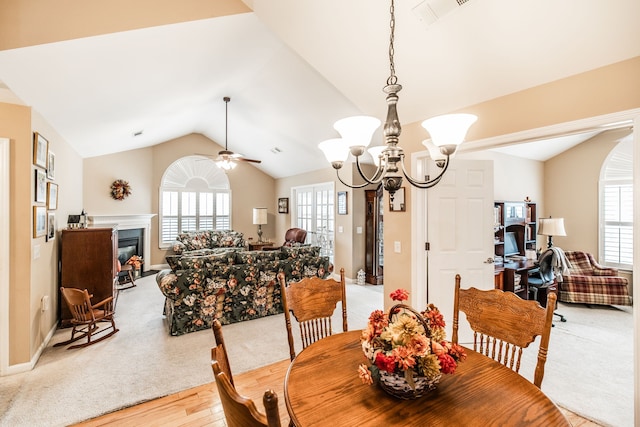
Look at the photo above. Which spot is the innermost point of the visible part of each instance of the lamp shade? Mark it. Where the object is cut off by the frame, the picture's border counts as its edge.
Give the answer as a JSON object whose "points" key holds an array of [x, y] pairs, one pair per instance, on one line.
{"points": [[357, 130], [449, 129], [259, 216], [375, 153], [335, 150], [552, 227], [434, 151]]}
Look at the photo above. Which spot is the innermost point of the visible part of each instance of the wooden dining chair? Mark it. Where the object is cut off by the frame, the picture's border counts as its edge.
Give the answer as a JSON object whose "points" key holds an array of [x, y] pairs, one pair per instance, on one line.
{"points": [[85, 317], [312, 301], [219, 352], [240, 411], [503, 325]]}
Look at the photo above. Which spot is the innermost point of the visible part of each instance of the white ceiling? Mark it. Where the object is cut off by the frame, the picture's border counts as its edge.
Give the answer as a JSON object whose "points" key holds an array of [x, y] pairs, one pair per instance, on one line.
{"points": [[291, 75]]}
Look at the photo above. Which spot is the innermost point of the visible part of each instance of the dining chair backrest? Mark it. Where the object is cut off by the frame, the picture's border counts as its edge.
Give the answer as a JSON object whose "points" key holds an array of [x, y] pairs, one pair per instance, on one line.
{"points": [[219, 352], [240, 411], [503, 325], [312, 301]]}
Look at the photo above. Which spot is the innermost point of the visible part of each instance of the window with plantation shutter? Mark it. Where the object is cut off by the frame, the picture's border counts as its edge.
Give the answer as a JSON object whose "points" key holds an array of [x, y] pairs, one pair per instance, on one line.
{"points": [[194, 195], [616, 208]]}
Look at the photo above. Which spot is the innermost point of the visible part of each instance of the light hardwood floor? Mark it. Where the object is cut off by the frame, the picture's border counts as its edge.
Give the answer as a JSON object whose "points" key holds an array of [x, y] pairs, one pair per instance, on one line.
{"points": [[200, 406]]}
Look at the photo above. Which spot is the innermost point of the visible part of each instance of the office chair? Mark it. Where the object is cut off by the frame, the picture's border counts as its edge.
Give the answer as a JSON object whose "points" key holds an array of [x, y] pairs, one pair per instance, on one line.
{"points": [[543, 277]]}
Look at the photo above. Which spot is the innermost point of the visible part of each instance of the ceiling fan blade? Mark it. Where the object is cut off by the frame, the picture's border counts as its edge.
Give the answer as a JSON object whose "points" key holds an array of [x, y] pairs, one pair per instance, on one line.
{"points": [[242, 159]]}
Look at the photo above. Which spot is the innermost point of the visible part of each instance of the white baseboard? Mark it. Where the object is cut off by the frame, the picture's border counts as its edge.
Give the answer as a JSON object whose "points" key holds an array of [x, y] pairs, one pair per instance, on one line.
{"points": [[28, 366]]}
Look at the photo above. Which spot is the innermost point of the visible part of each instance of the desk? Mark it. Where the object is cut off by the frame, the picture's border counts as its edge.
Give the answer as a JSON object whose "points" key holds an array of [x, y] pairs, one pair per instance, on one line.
{"points": [[505, 276], [322, 388]]}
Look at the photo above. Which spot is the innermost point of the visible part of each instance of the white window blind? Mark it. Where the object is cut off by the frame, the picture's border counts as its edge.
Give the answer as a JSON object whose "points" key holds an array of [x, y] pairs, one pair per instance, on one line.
{"points": [[618, 224]]}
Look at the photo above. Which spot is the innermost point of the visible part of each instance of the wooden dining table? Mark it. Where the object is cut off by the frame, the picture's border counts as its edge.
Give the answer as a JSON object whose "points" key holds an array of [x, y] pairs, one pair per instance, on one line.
{"points": [[322, 388]]}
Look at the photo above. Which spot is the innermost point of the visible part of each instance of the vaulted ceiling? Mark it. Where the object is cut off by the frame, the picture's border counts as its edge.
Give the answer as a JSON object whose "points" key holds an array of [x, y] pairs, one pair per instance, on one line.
{"points": [[292, 68]]}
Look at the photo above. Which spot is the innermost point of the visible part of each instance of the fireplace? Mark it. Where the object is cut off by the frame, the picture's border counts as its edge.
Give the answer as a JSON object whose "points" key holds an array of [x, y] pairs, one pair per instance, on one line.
{"points": [[130, 243], [140, 225]]}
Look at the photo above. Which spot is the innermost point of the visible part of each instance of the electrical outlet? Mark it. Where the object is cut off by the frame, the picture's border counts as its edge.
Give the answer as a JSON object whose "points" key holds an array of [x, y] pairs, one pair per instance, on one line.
{"points": [[44, 303], [397, 248]]}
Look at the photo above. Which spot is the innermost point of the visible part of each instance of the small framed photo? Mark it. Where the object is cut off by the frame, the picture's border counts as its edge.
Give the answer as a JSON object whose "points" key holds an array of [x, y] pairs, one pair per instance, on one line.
{"points": [[342, 202], [51, 166], [283, 205], [52, 196], [397, 205], [51, 226], [39, 221], [41, 186], [40, 150]]}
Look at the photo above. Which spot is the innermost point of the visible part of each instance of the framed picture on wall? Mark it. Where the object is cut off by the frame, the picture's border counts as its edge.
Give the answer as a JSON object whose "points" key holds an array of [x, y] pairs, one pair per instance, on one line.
{"points": [[40, 150], [41, 186], [283, 205], [51, 166], [39, 221], [342, 202], [397, 205], [51, 226], [52, 196]]}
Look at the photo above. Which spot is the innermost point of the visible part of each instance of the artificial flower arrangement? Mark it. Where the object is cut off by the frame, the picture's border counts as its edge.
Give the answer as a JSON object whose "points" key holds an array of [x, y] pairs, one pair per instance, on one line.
{"points": [[136, 262], [407, 349]]}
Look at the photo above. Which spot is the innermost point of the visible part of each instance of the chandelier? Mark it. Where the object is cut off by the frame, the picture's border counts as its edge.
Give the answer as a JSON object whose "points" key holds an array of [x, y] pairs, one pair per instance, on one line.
{"points": [[447, 132]]}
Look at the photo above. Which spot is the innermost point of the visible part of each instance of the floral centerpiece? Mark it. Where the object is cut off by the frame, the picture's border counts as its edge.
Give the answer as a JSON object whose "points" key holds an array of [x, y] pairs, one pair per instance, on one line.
{"points": [[407, 349]]}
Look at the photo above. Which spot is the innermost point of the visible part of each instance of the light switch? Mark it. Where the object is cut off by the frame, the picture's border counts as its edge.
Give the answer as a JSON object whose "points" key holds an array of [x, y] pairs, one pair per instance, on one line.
{"points": [[359, 230], [340, 229], [397, 248], [36, 252]]}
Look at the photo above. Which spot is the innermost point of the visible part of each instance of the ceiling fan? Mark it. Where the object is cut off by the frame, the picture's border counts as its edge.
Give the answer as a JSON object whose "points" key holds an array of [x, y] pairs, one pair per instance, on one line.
{"points": [[227, 159]]}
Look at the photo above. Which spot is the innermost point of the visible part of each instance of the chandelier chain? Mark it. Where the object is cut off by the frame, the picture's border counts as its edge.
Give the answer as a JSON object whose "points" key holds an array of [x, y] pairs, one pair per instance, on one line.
{"points": [[392, 80]]}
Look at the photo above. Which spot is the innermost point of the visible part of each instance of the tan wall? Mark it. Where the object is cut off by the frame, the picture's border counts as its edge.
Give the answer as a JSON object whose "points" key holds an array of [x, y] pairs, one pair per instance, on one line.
{"points": [[31, 22], [143, 168], [32, 278], [15, 124], [571, 190]]}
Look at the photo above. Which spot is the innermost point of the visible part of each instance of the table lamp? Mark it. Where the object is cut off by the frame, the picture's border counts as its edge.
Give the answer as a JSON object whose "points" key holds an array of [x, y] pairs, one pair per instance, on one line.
{"points": [[259, 218], [551, 227]]}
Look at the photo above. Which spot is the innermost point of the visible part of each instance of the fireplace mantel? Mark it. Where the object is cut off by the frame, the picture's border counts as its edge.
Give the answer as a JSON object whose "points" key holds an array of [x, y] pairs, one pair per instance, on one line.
{"points": [[127, 222]]}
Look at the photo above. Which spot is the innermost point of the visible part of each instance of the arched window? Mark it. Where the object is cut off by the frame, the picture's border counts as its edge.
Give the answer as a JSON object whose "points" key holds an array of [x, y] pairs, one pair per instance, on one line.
{"points": [[616, 206], [194, 195]]}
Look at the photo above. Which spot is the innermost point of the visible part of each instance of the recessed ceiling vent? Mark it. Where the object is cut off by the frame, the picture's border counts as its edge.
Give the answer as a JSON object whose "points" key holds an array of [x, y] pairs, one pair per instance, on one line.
{"points": [[276, 150], [429, 11]]}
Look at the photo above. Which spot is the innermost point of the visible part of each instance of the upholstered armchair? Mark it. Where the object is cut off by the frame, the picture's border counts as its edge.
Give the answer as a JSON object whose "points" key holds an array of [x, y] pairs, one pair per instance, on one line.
{"points": [[293, 237], [590, 283]]}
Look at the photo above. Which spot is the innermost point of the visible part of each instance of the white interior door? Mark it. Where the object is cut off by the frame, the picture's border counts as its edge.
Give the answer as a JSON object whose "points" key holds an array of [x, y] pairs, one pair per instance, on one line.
{"points": [[457, 222]]}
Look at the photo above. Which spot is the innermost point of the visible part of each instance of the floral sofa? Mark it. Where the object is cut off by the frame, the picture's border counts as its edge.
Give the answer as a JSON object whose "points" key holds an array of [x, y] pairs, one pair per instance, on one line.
{"points": [[208, 239], [232, 285]]}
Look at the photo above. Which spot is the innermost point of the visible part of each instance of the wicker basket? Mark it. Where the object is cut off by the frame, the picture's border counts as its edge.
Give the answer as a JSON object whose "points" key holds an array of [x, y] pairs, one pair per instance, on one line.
{"points": [[396, 384]]}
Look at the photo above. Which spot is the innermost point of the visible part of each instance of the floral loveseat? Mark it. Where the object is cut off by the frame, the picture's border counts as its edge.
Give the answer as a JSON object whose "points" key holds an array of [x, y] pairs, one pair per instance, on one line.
{"points": [[232, 285], [208, 239]]}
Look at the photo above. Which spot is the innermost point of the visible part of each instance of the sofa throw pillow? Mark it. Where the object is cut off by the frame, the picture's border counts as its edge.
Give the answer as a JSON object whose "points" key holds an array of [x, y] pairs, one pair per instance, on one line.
{"points": [[195, 240]]}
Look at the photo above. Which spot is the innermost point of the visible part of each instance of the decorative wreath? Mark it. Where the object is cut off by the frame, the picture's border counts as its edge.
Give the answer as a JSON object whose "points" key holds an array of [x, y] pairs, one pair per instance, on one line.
{"points": [[120, 189]]}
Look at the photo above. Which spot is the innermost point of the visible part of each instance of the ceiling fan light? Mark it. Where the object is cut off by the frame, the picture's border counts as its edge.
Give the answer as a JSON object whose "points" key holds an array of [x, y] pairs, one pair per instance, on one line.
{"points": [[357, 130], [226, 164], [449, 129]]}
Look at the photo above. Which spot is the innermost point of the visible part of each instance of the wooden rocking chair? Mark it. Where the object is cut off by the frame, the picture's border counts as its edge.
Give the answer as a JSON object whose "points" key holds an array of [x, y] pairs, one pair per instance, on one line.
{"points": [[86, 317]]}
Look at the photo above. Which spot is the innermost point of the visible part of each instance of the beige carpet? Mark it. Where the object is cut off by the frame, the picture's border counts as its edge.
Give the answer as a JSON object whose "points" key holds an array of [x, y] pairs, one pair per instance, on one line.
{"points": [[589, 370]]}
